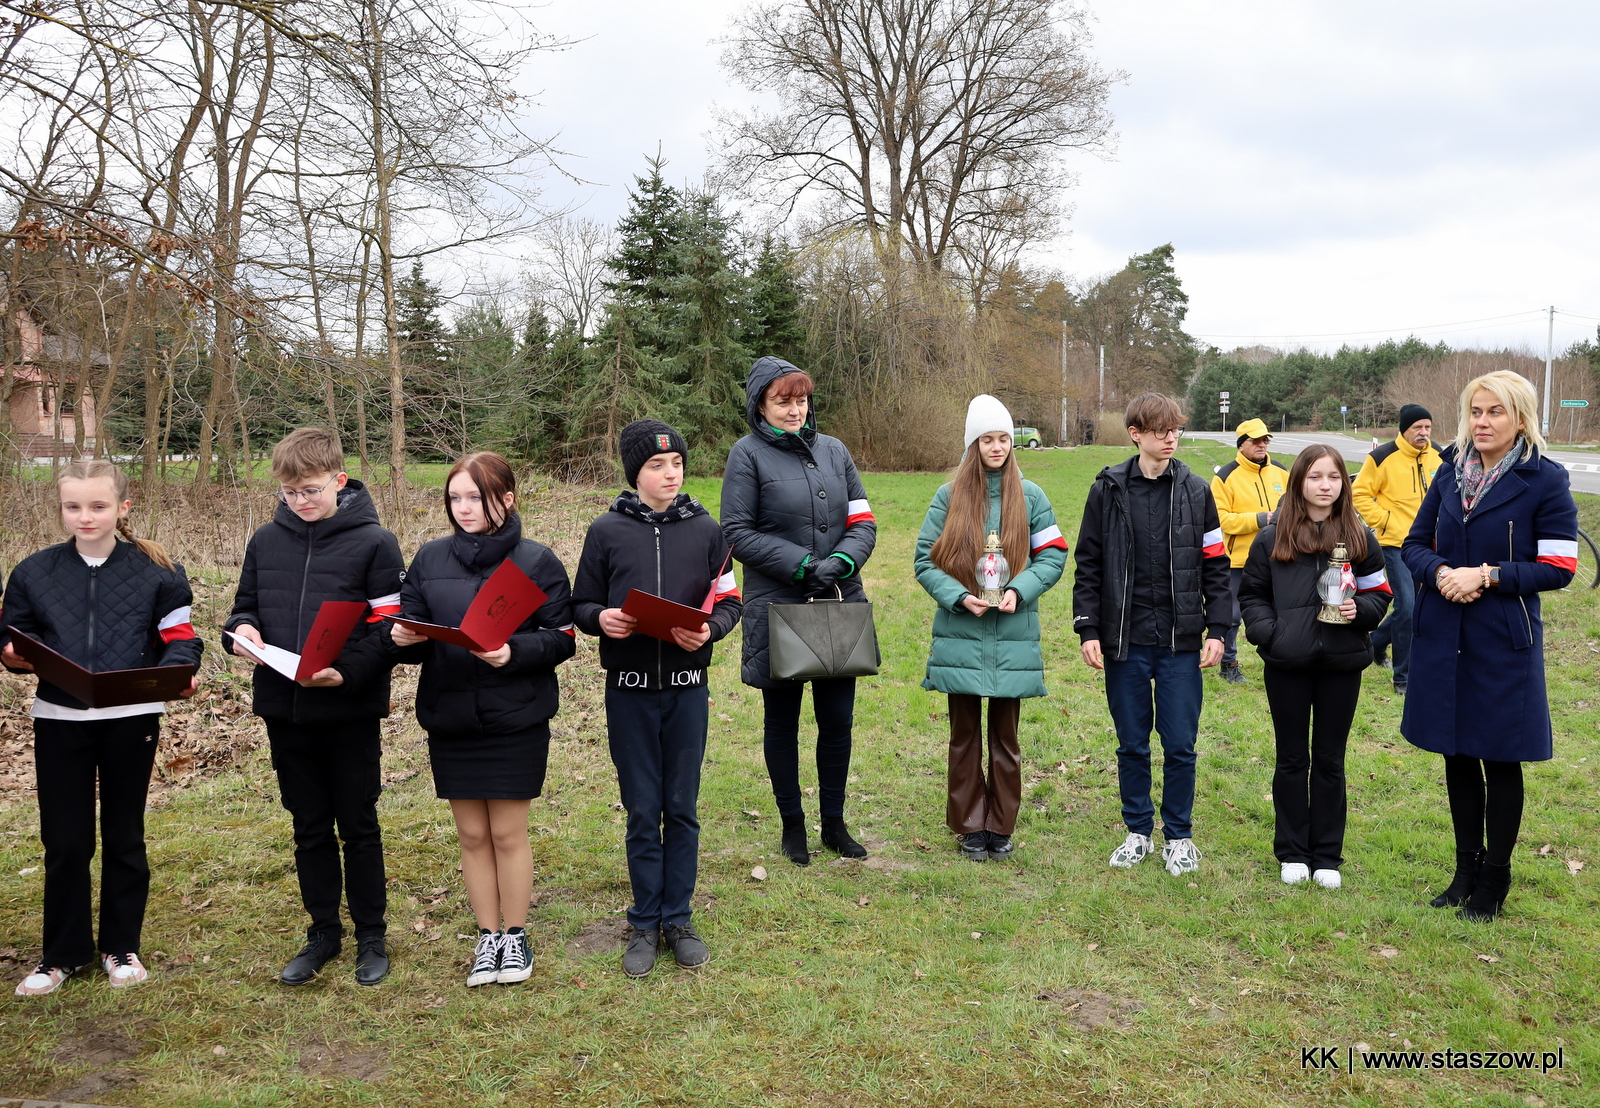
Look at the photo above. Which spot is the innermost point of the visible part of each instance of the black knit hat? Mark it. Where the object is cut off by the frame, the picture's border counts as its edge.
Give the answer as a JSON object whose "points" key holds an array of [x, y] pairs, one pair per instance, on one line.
{"points": [[1410, 413], [641, 440]]}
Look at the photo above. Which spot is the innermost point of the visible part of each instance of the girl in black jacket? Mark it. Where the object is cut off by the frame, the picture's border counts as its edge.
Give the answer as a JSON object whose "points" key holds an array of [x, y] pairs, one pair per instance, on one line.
{"points": [[107, 601], [488, 714], [1312, 669]]}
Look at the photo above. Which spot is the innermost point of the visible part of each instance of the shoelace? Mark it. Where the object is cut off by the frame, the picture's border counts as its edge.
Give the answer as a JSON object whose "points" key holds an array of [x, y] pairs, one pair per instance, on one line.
{"points": [[487, 956], [514, 953]]}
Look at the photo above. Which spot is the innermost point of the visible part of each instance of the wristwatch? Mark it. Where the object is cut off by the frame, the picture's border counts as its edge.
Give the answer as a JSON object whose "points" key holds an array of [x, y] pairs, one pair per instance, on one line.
{"points": [[1494, 575]]}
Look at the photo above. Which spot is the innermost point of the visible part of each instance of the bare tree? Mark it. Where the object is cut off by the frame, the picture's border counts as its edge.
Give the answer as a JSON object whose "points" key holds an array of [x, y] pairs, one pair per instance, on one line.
{"points": [[938, 126], [568, 272]]}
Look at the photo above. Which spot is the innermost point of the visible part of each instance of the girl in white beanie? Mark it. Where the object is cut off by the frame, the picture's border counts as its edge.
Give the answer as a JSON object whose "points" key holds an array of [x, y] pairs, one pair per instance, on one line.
{"points": [[987, 529]]}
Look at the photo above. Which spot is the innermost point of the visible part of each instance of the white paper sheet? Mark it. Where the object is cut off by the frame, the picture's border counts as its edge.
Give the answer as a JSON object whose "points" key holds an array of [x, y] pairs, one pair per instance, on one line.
{"points": [[276, 657]]}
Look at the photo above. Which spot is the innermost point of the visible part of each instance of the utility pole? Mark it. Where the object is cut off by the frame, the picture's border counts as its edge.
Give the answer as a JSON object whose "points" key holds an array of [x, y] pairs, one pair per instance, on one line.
{"points": [[1064, 439], [1549, 349], [1102, 402]]}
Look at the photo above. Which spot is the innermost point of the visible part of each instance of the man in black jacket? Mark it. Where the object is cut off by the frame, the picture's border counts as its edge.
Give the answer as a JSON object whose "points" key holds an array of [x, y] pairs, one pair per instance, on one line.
{"points": [[662, 542], [325, 543], [1151, 603]]}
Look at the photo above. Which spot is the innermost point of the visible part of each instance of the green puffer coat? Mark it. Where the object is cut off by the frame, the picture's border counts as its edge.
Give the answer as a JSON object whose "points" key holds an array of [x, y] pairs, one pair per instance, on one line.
{"points": [[996, 654]]}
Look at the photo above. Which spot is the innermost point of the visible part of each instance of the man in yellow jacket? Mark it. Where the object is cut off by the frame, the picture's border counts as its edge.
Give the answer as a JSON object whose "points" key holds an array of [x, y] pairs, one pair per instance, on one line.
{"points": [[1247, 491], [1387, 492]]}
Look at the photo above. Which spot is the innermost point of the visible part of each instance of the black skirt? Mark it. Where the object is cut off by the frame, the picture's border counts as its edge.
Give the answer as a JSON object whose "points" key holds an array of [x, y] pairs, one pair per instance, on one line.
{"points": [[469, 766]]}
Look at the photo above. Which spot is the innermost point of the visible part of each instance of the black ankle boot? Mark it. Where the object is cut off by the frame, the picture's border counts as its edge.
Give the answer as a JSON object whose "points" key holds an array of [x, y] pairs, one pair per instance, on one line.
{"points": [[1467, 863], [794, 845], [836, 837], [1488, 894]]}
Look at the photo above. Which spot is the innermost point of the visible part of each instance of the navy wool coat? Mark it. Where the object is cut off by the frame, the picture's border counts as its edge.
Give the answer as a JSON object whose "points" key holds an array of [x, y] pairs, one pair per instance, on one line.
{"points": [[1477, 670]]}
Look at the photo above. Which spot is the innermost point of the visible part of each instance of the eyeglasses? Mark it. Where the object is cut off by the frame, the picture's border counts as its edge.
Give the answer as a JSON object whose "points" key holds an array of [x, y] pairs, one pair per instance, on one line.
{"points": [[1169, 433], [310, 496]]}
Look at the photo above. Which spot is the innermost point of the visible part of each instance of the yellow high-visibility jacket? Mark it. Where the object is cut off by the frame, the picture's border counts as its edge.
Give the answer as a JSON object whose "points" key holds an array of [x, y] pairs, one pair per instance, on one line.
{"points": [[1245, 492], [1389, 489]]}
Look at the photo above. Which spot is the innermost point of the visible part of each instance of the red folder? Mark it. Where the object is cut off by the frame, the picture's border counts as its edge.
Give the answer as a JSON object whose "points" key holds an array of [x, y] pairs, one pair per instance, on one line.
{"points": [[503, 604], [657, 615], [109, 688], [329, 632]]}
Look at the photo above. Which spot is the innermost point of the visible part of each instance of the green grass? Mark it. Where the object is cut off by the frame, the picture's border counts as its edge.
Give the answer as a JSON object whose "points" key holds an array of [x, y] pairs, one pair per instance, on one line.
{"points": [[914, 978]]}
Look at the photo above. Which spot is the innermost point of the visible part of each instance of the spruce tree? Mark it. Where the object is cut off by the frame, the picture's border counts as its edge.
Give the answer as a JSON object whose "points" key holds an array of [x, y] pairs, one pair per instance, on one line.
{"points": [[774, 325]]}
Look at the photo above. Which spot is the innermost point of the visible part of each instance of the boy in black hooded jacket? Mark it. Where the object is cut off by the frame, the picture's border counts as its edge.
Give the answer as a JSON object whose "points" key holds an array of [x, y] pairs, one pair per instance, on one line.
{"points": [[659, 541], [325, 543]]}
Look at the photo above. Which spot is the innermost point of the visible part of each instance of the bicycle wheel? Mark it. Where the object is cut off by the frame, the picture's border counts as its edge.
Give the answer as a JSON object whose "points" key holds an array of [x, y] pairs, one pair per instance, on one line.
{"points": [[1588, 574]]}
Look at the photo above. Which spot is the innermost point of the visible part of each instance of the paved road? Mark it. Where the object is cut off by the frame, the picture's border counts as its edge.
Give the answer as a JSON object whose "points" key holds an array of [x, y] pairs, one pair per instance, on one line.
{"points": [[1584, 467]]}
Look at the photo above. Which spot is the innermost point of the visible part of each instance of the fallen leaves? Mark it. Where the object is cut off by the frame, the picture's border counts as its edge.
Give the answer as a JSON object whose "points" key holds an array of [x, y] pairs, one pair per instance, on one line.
{"points": [[26, 872], [1388, 952], [1574, 866], [1487, 958]]}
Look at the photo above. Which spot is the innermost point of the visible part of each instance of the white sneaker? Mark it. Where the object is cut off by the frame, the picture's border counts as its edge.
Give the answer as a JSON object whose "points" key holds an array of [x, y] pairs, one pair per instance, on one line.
{"points": [[124, 969], [1132, 851], [1180, 856], [44, 981], [1328, 878], [485, 960], [1294, 873]]}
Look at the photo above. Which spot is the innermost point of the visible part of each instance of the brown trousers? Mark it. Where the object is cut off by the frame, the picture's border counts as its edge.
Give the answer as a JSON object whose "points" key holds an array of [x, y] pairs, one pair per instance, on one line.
{"points": [[975, 804]]}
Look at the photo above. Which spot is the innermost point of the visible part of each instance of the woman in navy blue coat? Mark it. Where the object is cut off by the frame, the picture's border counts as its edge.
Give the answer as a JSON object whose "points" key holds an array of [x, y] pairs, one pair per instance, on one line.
{"points": [[1497, 528]]}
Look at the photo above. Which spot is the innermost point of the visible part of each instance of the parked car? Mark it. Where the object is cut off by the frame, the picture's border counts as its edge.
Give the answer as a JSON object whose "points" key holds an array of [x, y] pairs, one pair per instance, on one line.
{"points": [[1026, 436]]}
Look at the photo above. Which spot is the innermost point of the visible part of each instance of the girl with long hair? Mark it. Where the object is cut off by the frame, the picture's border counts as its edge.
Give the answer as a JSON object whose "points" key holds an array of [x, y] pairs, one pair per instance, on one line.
{"points": [[987, 648], [105, 600], [1312, 668], [487, 714]]}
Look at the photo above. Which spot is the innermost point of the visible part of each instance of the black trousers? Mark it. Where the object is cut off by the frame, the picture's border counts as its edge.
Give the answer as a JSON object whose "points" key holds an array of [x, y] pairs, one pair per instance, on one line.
{"points": [[1308, 793], [69, 756], [834, 700], [330, 777], [658, 742], [1485, 805]]}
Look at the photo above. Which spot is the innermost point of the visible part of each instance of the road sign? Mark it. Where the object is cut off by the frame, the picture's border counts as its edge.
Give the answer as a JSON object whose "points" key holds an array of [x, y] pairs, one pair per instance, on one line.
{"points": [[1574, 403], [1224, 396], [1343, 409]]}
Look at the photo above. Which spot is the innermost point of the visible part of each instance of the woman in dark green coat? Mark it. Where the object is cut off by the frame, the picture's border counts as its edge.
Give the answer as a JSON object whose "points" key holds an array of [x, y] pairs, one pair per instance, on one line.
{"points": [[988, 550]]}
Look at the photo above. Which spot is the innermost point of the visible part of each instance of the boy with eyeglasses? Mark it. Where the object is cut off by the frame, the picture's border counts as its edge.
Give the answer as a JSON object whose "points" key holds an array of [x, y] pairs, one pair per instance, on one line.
{"points": [[325, 543], [1151, 602]]}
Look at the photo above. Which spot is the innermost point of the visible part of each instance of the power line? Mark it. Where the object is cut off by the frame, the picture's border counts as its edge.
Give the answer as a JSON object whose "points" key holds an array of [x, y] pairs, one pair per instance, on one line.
{"points": [[1394, 330]]}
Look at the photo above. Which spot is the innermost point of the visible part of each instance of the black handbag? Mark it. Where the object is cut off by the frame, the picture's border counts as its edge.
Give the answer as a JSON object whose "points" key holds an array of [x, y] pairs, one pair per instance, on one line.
{"points": [[821, 638]]}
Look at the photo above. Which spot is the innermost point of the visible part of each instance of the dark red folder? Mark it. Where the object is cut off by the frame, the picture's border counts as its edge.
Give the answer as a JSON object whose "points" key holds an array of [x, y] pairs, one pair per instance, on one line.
{"points": [[503, 604], [329, 632], [110, 688], [657, 615]]}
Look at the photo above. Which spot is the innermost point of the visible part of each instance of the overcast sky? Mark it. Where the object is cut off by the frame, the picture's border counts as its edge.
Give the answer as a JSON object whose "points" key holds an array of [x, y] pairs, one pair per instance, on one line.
{"points": [[1327, 172]]}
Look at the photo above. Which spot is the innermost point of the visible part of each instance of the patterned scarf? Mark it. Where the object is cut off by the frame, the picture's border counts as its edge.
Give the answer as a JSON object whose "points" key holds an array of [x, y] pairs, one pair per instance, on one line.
{"points": [[683, 506], [1474, 481]]}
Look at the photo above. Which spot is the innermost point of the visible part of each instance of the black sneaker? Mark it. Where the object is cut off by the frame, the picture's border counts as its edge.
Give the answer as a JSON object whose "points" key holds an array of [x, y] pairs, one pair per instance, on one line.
{"points": [[688, 949], [975, 846], [1231, 673], [516, 960], [305, 966], [640, 957], [1001, 847], [485, 959], [1399, 688], [1380, 656], [372, 960]]}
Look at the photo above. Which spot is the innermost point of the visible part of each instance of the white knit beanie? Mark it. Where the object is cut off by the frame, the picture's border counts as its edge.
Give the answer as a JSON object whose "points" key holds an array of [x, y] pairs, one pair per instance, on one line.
{"points": [[986, 414]]}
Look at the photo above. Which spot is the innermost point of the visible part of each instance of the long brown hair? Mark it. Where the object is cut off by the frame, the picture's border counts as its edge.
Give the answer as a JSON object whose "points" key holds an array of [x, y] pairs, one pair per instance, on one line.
{"points": [[1298, 533], [97, 469], [966, 519], [494, 477]]}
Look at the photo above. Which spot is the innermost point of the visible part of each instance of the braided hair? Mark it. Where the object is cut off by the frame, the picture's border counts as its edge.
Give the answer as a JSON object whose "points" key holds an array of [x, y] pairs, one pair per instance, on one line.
{"points": [[95, 469]]}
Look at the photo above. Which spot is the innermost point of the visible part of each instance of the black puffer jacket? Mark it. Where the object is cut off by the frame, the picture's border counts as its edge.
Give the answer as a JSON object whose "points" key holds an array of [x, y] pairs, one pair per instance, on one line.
{"points": [[460, 694], [290, 568], [1102, 586], [1279, 603], [676, 554], [784, 498], [126, 614]]}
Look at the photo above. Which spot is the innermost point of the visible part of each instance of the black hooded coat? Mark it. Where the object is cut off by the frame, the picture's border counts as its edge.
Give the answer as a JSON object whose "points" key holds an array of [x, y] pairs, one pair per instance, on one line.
{"points": [[787, 497]]}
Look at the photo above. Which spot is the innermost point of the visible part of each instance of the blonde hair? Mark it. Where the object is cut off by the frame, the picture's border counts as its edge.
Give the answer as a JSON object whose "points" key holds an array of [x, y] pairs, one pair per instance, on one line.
{"points": [[98, 469], [306, 451], [1513, 390]]}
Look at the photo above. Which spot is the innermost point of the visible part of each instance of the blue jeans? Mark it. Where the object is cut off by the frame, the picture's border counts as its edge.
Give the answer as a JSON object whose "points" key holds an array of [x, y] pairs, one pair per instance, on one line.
{"points": [[1395, 631], [658, 740], [1163, 687]]}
